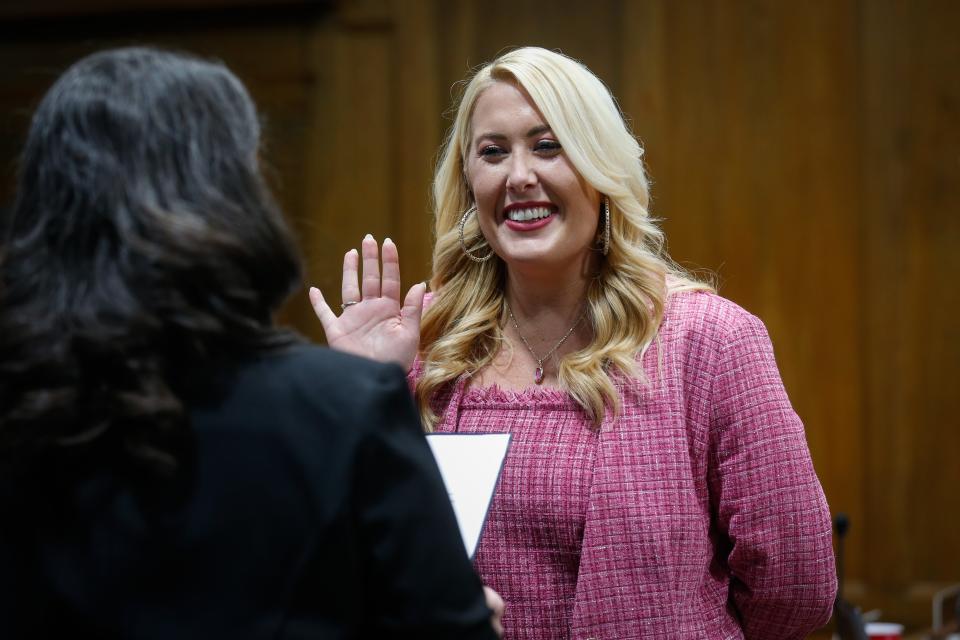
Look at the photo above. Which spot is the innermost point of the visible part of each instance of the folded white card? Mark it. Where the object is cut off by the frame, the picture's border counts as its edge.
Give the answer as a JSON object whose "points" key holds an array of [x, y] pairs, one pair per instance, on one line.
{"points": [[470, 464]]}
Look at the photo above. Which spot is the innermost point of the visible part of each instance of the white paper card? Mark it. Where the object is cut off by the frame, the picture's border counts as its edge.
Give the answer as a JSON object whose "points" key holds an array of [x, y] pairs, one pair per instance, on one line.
{"points": [[470, 464]]}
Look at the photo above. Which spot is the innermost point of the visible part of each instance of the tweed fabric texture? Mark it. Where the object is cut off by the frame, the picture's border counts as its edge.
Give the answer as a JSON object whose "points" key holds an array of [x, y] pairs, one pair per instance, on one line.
{"points": [[537, 516], [704, 517]]}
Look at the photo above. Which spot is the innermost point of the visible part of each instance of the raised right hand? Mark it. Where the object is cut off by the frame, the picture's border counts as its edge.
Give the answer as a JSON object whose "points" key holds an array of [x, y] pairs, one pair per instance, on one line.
{"points": [[377, 326]]}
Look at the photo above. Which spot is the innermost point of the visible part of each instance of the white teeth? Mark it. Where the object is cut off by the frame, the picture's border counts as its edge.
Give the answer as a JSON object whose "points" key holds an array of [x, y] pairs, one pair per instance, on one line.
{"points": [[533, 213]]}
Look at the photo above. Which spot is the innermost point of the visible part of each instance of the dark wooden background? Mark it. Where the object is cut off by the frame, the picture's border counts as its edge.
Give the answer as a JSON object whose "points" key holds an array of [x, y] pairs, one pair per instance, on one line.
{"points": [[807, 153]]}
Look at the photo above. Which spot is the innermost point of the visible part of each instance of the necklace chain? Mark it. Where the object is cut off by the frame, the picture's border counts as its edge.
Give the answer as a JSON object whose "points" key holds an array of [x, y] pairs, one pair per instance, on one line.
{"points": [[538, 373]]}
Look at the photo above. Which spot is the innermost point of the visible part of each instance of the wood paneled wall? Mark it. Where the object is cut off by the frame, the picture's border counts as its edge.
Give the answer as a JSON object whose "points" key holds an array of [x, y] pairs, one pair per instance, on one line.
{"points": [[806, 153]]}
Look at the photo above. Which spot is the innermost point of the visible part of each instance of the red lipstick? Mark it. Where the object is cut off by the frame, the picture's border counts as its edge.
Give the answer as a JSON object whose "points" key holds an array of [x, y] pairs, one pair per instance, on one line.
{"points": [[529, 225]]}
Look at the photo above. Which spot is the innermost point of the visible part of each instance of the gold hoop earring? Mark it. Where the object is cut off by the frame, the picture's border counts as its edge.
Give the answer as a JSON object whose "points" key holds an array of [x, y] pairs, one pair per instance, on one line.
{"points": [[605, 239], [463, 244]]}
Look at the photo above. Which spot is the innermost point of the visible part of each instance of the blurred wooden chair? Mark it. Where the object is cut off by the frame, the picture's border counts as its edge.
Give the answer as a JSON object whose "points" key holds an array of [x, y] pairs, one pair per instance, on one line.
{"points": [[946, 601]]}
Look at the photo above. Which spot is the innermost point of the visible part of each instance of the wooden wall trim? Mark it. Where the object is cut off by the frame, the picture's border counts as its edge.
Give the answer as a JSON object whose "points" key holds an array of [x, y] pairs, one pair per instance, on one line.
{"points": [[58, 9]]}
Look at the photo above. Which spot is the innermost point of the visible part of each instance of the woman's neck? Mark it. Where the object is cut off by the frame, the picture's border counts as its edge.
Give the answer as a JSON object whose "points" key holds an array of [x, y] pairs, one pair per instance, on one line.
{"points": [[545, 307], [544, 323], [542, 295]]}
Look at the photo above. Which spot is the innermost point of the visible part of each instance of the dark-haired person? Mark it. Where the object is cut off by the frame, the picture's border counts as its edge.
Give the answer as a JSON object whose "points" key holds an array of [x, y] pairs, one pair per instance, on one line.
{"points": [[171, 464]]}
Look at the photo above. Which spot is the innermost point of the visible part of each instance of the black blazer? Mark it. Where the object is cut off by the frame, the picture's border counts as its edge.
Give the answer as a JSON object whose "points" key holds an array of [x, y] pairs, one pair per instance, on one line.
{"points": [[316, 511]]}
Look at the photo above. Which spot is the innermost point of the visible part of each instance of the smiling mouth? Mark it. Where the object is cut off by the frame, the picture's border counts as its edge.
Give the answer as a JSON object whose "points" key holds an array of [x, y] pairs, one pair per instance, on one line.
{"points": [[529, 214]]}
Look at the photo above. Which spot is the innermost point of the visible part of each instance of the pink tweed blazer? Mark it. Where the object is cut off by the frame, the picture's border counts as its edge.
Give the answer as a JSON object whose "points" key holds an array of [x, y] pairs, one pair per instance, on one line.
{"points": [[705, 518]]}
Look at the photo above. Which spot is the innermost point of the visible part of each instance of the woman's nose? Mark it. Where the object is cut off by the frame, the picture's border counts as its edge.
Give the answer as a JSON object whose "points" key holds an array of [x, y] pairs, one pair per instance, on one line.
{"points": [[522, 174]]}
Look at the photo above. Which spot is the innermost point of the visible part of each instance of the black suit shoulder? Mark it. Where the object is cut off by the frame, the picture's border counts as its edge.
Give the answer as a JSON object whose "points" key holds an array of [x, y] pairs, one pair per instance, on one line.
{"points": [[339, 387]]}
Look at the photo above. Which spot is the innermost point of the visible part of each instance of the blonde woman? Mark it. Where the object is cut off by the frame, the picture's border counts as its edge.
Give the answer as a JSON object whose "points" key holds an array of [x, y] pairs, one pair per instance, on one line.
{"points": [[659, 483]]}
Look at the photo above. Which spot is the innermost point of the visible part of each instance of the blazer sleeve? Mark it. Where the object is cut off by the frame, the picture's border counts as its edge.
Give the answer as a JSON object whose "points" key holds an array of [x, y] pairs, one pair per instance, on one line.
{"points": [[767, 500], [419, 582]]}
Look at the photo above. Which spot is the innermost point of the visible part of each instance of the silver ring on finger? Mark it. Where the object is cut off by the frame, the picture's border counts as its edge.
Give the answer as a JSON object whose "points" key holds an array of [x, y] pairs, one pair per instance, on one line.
{"points": [[348, 303]]}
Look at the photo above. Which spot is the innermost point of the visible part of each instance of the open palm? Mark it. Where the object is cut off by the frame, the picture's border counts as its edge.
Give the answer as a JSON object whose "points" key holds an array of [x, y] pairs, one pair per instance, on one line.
{"points": [[374, 323]]}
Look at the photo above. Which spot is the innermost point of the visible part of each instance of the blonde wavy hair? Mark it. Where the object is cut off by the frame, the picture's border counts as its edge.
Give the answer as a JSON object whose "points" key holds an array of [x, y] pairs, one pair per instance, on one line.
{"points": [[461, 330]]}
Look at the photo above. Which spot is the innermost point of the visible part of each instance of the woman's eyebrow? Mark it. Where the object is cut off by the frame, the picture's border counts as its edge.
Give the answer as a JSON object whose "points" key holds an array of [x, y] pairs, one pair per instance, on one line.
{"points": [[535, 131]]}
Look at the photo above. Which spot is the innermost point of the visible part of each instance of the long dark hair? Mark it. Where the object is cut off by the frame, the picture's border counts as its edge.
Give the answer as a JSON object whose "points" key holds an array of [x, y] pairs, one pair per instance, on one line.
{"points": [[143, 251]]}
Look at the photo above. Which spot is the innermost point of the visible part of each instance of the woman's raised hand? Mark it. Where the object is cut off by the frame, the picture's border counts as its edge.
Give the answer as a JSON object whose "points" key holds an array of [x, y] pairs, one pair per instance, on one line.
{"points": [[374, 322]]}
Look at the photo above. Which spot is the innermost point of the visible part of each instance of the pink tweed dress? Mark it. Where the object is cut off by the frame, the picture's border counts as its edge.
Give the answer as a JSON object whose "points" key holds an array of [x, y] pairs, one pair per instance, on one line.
{"points": [[694, 513], [530, 548]]}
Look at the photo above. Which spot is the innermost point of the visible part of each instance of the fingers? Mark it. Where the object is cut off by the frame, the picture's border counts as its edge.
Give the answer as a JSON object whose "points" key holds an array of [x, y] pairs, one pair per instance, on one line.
{"points": [[349, 288], [370, 286], [412, 308], [391, 270], [497, 606], [321, 308], [354, 289]]}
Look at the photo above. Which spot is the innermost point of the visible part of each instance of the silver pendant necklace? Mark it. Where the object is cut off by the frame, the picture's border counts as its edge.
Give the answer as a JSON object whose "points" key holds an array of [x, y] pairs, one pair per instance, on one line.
{"points": [[538, 372]]}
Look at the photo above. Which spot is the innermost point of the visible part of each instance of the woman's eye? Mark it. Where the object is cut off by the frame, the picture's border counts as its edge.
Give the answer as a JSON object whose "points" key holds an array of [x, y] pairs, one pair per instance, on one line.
{"points": [[492, 151], [547, 146]]}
